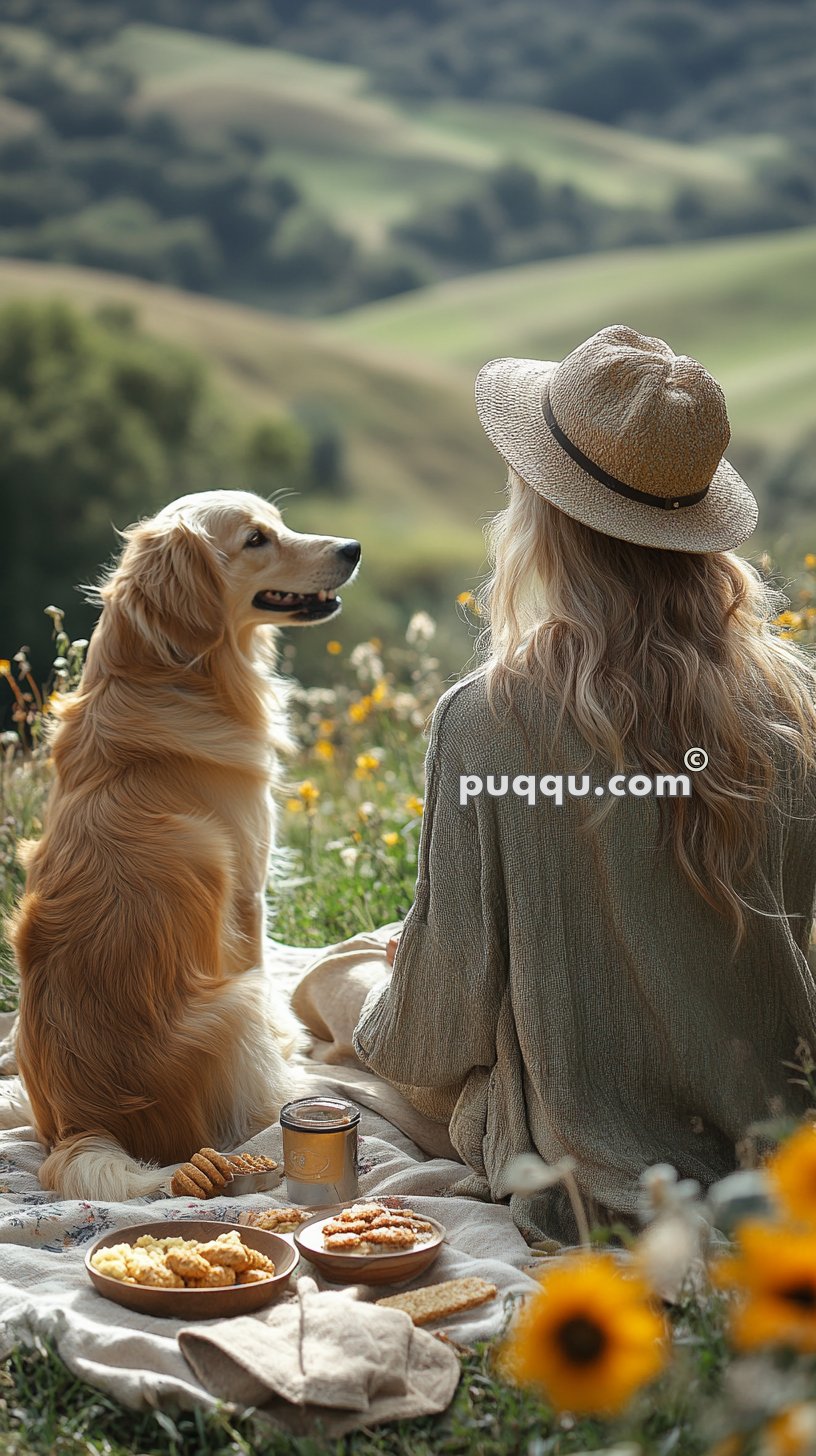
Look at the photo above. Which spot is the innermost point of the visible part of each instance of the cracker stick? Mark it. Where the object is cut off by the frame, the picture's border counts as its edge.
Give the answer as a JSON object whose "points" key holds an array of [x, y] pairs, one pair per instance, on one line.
{"points": [[437, 1301]]}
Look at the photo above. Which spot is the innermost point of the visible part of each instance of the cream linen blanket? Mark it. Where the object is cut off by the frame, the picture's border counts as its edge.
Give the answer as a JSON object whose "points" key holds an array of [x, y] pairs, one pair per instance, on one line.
{"points": [[43, 1284]]}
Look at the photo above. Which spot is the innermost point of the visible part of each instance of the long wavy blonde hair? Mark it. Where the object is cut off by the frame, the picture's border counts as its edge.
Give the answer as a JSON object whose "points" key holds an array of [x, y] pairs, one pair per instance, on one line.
{"points": [[649, 653]]}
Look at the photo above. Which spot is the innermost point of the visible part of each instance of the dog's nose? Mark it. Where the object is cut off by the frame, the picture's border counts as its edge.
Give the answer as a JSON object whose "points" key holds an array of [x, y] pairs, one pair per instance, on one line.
{"points": [[350, 551]]}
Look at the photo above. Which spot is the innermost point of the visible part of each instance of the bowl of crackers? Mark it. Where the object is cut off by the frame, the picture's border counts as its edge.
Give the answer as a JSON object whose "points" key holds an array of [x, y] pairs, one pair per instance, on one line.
{"points": [[370, 1243], [191, 1268]]}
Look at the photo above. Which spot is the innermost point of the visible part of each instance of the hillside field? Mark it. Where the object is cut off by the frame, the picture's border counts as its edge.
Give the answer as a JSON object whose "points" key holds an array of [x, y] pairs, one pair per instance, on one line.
{"points": [[371, 161], [746, 307], [397, 380]]}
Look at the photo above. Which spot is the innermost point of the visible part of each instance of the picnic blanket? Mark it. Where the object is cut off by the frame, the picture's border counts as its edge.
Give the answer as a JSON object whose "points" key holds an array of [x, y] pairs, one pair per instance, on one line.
{"points": [[44, 1287]]}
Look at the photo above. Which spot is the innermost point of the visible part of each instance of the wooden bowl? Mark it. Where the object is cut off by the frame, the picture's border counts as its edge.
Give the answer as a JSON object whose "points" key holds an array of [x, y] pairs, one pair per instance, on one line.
{"points": [[395, 1267], [192, 1304]]}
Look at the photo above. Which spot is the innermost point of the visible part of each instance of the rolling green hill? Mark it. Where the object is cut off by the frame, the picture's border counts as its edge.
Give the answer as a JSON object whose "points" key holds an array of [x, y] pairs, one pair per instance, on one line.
{"points": [[397, 380], [371, 160], [746, 307]]}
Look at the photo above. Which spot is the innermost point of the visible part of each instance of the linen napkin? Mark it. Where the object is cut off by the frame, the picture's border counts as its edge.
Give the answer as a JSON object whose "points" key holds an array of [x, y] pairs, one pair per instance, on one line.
{"points": [[324, 1359]]}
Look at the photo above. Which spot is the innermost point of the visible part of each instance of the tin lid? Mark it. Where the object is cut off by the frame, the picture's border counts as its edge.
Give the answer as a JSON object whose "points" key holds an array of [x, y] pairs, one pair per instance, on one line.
{"points": [[320, 1114]]}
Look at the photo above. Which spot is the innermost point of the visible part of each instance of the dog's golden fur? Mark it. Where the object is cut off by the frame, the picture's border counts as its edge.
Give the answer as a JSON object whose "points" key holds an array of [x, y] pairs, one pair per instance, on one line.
{"points": [[148, 1027]]}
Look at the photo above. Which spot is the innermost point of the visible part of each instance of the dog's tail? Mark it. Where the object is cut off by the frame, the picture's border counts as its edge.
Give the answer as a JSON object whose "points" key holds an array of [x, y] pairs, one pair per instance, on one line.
{"points": [[96, 1167]]}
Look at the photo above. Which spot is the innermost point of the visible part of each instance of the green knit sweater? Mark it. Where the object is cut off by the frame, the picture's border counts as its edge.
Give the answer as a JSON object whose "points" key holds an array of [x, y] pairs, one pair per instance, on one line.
{"points": [[568, 992]]}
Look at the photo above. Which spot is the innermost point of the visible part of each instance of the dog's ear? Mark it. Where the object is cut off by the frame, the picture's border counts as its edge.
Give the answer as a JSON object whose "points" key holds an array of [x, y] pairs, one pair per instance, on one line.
{"points": [[169, 585]]}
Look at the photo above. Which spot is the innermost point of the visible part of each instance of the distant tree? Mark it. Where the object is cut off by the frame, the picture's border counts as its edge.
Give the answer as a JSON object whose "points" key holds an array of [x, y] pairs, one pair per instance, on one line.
{"points": [[520, 194], [275, 454], [99, 424]]}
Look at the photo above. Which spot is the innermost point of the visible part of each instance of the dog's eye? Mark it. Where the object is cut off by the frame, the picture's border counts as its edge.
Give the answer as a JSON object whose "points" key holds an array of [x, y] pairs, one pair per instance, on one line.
{"points": [[256, 539]]}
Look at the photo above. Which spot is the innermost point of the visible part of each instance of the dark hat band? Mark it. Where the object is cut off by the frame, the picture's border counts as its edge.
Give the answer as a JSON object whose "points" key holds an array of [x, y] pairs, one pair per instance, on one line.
{"points": [[670, 503]]}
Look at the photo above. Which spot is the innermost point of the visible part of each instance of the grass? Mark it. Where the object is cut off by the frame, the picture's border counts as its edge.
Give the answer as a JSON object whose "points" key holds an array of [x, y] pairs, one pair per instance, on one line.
{"points": [[370, 160], [46, 1409]]}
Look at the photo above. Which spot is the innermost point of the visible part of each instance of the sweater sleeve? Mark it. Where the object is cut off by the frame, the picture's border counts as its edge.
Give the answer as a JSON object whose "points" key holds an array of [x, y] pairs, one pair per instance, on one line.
{"points": [[435, 1020]]}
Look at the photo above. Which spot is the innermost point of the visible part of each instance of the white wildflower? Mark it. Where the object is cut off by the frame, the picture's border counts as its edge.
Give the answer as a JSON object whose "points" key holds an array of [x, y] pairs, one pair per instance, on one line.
{"points": [[421, 628], [366, 662], [528, 1173]]}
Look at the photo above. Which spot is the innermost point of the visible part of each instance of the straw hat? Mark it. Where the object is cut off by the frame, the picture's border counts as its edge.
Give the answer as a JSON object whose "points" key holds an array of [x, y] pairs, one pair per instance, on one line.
{"points": [[624, 435]]}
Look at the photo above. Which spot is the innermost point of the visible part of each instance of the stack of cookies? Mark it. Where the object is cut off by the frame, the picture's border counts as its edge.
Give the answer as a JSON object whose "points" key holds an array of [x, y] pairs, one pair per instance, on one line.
{"points": [[370, 1228], [209, 1172]]}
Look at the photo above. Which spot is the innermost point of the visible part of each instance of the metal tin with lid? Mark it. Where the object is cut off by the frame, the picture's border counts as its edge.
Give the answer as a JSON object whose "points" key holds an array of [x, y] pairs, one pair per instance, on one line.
{"points": [[320, 1150]]}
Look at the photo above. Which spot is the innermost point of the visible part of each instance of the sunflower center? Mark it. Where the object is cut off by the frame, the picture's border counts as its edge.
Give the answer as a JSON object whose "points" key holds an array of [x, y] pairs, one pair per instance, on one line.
{"points": [[802, 1294], [581, 1340]]}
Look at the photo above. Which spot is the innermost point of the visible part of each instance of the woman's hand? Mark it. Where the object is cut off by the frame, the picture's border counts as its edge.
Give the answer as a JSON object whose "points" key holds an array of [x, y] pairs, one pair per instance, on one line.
{"points": [[391, 948]]}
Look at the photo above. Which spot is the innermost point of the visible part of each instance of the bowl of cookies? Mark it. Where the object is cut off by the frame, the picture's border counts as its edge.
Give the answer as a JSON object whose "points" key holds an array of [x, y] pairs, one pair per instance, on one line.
{"points": [[191, 1268], [370, 1243]]}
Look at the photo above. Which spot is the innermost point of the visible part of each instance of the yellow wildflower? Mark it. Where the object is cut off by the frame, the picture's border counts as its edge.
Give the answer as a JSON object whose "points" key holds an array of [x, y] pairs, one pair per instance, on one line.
{"points": [[294, 806], [324, 749], [810, 561], [391, 838], [365, 765], [359, 711], [468, 600], [334, 647], [414, 804], [325, 727], [5, 667], [589, 1338], [309, 793], [379, 692]]}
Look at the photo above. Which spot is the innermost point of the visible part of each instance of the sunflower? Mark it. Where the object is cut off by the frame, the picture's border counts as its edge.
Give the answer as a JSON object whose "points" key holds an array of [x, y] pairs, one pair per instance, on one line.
{"points": [[774, 1277], [792, 1174], [589, 1338], [792, 1433]]}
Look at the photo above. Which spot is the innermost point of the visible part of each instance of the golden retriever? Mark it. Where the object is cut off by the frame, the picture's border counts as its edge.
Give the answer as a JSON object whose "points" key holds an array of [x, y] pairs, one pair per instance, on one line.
{"points": [[148, 1027]]}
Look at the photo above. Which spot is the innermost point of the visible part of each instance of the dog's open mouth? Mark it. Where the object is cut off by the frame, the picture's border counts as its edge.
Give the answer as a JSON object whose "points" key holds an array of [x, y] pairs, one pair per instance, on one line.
{"points": [[302, 606]]}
